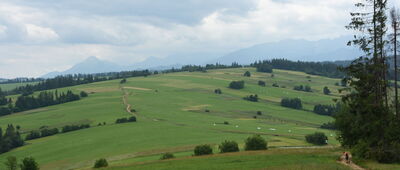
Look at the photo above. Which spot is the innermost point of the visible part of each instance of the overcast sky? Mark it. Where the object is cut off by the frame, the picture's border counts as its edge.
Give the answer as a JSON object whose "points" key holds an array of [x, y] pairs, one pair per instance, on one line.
{"points": [[40, 36]]}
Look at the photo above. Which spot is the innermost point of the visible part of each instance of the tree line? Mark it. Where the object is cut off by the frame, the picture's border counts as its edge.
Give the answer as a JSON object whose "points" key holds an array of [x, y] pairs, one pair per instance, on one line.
{"points": [[45, 98], [327, 69]]}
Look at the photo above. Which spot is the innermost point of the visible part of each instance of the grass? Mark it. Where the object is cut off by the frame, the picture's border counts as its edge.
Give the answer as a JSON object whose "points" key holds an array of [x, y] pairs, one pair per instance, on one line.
{"points": [[172, 118], [295, 159]]}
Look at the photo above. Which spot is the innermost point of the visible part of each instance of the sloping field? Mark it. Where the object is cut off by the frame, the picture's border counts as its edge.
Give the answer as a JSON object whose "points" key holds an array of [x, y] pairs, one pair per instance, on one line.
{"points": [[172, 117]]}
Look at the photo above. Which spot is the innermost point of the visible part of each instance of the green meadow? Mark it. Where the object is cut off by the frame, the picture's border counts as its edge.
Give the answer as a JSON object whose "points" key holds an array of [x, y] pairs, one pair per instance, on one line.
{"points": [[172, 117]]}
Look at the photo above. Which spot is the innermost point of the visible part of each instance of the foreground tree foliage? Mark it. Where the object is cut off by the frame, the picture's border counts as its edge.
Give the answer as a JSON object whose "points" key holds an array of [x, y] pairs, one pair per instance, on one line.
{"points": [[255, 142], [367, 122]]}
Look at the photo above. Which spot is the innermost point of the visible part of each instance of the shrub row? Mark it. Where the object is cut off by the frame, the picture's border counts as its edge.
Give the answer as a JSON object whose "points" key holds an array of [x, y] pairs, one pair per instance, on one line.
{"points": [[126, 120]]}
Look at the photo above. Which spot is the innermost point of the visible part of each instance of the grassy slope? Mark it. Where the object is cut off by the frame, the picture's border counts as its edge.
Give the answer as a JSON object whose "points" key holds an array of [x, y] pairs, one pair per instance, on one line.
{"points": [[310, 159], [10, 86], [171, 117]]}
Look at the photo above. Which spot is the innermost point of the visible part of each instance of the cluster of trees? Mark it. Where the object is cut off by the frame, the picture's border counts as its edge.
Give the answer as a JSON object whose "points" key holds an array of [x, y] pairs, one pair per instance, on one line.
{"points": [[193, 68], [10, 139], [45, 98], [294, 103], [42, 133], [317, 138], [236, 85], [315, 68], [70, 128], [326, 110], [329, 125], [369, 121], [28, 163], [126, 120], [255, 142], [305, 88], [252, 98], [262, 67]]}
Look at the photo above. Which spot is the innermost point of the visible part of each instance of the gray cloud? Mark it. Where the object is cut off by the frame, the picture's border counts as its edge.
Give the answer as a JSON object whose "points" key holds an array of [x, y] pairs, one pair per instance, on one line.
{"points": [[51, 35]]}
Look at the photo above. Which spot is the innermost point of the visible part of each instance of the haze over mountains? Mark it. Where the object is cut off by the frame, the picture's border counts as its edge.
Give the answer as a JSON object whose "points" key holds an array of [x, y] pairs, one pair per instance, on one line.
{"points": [[322, 50]]}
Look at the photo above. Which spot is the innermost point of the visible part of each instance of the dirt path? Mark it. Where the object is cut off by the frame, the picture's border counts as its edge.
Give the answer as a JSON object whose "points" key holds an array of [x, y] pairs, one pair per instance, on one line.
{"points": [[125, 101], [350, 164]]}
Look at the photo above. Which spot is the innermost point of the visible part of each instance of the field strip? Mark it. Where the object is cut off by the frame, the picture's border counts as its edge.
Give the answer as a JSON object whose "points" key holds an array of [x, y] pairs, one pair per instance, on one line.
{"points": [[137, 88]]}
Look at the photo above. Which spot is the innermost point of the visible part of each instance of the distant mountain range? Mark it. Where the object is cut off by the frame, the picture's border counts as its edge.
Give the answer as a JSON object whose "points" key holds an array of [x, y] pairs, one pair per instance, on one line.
{"points": [[322, 50], [303, 50]]}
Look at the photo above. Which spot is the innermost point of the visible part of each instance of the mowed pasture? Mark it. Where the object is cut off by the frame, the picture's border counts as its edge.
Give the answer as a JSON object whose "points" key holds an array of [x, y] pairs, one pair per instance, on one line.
{"points": [[171, 111]]}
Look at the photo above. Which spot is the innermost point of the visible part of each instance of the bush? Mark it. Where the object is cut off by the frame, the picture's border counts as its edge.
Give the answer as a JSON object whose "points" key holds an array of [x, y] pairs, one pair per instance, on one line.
{"points": [[236, 85], [207, 110], [303, 88], [122, 81], [228, 146], [69, 128], [218, 91], [32, 135], [252, 98], [11, 163], [126, 120], [247, 74], [226, 123], [329, 125], [292, 103], [167, 156], [275, 85], [255, 142], [318, 138], [83, 94], [326, 110], [100, 163], [259, 113], [29, 164], [261, 83], [326, 90], [48, 132], [132, 119], [202, 150]]}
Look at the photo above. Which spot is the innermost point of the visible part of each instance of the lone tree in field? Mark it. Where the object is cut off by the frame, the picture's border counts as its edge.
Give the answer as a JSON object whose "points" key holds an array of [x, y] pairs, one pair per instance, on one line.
{"points": [[255, 142], [366, 123], [247, 74], [326, 90], [29, 164]]}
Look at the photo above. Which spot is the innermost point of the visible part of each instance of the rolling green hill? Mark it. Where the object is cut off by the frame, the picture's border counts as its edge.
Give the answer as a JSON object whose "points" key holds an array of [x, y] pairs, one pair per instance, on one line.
{"points": [[175, 112]]}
